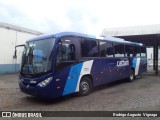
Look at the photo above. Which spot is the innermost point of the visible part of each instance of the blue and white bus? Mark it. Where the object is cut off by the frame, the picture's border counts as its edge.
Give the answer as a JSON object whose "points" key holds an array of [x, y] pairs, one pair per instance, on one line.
{"points": [[64, 63]]}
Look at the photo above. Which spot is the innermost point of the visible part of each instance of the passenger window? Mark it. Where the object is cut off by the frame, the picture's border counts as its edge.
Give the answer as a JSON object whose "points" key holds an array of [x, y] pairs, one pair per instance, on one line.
{"points": [[59, 53], [89, 48], [102, 47], [68, 52], [65, 53], [129, 50], [106, 49], [119, 50], [143, 51], [110, 51], [137, 51]]}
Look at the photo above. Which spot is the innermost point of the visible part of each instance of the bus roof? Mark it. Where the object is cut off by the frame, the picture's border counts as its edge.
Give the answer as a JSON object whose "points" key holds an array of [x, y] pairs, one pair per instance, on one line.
{"points": [[108, 38], [62, 34]]}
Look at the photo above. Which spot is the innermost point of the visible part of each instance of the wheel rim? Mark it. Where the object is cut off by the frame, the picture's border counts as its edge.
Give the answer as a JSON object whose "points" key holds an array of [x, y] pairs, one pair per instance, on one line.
{"points": [[84, 86], [131, 76]]}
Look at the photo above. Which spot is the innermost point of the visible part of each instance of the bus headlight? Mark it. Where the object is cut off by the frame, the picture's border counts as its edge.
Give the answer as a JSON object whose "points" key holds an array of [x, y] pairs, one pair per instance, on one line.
{"points": [[45, 82]]}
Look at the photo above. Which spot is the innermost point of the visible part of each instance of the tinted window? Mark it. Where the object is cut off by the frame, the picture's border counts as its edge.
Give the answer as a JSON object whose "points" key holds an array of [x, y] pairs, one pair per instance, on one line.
{"points": [[68, 52], [59, 53], [137, 51], [65, 51], [106, 49], [143, 51], [102, 48], [119, 50], [129, 50], [89, 48], [109, 50]]}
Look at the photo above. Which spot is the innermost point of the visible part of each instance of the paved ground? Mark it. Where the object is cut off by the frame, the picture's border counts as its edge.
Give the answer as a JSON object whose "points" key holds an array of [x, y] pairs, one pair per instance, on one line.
{"points": [[141, 94]]}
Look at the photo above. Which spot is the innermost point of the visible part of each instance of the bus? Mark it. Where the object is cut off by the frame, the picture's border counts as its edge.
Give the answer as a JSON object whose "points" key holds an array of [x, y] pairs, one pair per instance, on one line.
{"points": [[68, 62]]}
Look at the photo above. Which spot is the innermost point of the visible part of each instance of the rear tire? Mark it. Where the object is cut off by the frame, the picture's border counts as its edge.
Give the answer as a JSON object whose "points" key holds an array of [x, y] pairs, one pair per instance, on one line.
{"points": [[131, 76], [85, 86]]}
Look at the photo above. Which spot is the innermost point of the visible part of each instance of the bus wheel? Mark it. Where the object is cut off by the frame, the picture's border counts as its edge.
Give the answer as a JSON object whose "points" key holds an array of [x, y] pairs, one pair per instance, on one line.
{"points": [[85, 86], [132, 76]]}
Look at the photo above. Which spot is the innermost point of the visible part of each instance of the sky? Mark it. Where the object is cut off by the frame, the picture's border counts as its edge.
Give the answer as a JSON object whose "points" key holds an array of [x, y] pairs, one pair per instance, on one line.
{"points": [[84, 16]]}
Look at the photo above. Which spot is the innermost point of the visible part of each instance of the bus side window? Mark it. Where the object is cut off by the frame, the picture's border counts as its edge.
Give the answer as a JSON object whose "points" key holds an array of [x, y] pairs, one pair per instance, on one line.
{"points": [[102, 48], [143, 51], [109, 51], [59, 53], [137, 51], [65, 53], [68, 52], [71, 52], [119, 50], [89, 48], [106, 49], [129, 50]]}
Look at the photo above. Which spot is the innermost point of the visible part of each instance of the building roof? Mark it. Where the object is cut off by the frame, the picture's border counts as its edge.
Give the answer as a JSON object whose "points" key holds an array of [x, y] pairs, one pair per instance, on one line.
{"points": [[132, 30], [18, 28]]}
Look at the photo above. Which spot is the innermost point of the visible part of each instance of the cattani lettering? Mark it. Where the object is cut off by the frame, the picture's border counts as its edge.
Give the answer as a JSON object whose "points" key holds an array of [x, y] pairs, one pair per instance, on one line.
{"points": [[122, 63]]}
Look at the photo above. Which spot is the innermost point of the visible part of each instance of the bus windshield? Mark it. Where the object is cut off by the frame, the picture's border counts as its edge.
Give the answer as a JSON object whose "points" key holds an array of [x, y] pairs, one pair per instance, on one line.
{"points": [[37, 56]]}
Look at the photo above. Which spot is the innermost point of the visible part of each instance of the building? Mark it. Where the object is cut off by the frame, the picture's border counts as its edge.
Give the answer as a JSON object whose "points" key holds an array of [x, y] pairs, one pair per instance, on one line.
{"points": [[147, 34], [10, 36]]}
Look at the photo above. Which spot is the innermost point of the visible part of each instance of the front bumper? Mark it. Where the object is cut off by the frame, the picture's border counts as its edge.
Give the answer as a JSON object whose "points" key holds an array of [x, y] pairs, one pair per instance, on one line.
{"points": [[36, 90]]}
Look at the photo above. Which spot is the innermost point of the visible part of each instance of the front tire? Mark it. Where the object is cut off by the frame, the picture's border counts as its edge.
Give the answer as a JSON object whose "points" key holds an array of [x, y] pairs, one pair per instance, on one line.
{"points": [[85, 86]]}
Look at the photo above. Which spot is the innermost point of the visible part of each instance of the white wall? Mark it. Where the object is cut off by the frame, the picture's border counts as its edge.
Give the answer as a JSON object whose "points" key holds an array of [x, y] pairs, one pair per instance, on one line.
{"points": [[8, 40], [21, 39]]}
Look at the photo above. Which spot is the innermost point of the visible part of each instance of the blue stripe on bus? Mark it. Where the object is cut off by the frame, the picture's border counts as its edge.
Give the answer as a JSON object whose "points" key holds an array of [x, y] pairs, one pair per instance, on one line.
{"points": [[72, 79], [134, 63]]}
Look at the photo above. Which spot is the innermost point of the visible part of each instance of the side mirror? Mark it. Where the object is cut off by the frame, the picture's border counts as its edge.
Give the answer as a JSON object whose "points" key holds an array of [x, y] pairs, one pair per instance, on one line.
{"points": [[15, 54]]}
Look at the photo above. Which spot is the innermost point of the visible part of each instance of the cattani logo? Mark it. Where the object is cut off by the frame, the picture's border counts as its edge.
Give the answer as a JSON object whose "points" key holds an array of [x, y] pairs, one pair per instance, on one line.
{"points": [[122, 63]]}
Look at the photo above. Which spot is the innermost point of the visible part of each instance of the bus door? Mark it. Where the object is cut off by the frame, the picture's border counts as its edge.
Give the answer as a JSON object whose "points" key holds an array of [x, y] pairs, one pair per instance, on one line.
{"points": [[66, 68], [66, 53]]}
